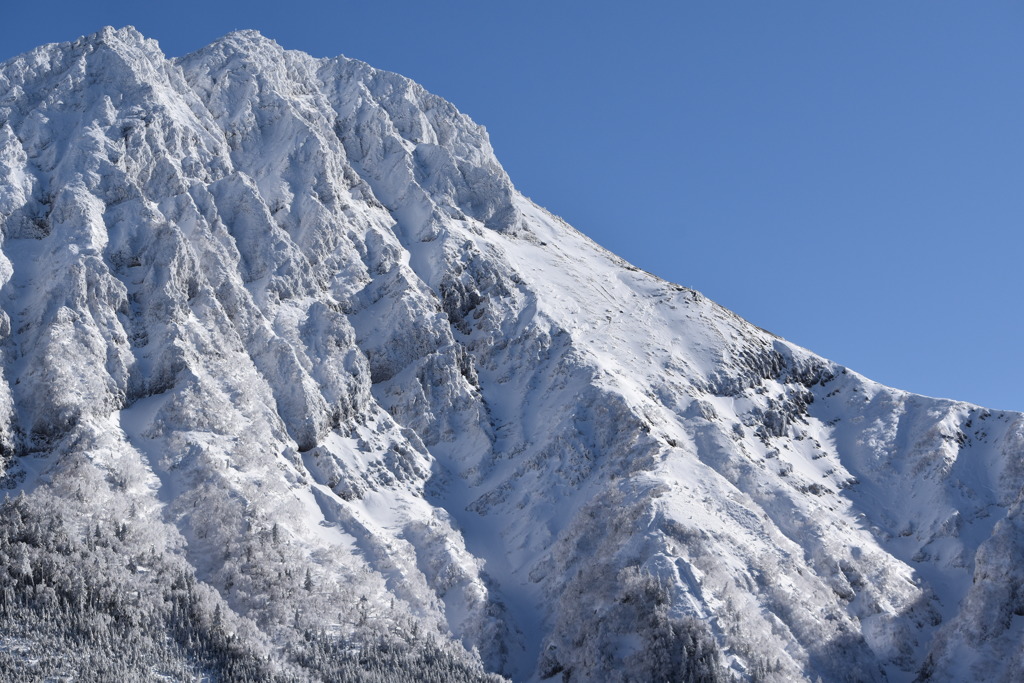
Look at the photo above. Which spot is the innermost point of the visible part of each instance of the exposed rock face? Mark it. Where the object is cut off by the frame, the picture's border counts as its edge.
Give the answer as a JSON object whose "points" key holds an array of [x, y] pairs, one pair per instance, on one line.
{"points": [[285, 325]]}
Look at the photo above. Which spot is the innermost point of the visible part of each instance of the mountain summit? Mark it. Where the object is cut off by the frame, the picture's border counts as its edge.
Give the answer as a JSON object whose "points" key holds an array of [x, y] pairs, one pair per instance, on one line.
{"points": [[296, 385]]}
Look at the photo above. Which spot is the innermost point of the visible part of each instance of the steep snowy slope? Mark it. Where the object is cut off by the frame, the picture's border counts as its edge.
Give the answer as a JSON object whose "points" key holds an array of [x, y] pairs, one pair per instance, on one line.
{"points": [[283, 328]]}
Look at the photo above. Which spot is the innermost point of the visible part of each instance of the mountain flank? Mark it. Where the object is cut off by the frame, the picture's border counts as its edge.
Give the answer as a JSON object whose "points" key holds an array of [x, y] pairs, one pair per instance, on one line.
{"points": [[296, 385]]}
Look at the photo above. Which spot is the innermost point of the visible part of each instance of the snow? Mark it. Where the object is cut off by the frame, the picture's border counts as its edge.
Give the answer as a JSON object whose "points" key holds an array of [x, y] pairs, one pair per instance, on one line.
{"points": [[253, 289]]}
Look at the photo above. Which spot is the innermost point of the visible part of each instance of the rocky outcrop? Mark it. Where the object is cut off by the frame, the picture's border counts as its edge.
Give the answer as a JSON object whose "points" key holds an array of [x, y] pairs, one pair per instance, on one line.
{"points": [[286, 325]]}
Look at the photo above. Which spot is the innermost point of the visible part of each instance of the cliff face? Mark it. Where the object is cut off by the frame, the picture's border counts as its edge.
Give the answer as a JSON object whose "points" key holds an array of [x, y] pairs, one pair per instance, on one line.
{"points": [[284, 327]]}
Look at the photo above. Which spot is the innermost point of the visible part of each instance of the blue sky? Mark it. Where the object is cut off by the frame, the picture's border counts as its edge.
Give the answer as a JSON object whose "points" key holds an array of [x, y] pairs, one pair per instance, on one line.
{"points": [[846, 175]]}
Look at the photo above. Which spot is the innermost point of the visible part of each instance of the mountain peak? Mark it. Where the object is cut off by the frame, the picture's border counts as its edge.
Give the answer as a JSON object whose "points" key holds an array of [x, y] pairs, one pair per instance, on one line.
{"points": [[126, 38], [248, 41], [292, 375], [125, 33]]}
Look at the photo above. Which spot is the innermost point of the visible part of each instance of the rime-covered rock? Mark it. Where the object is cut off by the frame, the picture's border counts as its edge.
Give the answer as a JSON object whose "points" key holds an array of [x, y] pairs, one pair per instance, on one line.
{"points": [[282, 330]]}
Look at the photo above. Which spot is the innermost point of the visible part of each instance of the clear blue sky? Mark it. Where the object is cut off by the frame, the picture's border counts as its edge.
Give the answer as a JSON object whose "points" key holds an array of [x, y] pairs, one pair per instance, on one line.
{"points": [[849, 175]]}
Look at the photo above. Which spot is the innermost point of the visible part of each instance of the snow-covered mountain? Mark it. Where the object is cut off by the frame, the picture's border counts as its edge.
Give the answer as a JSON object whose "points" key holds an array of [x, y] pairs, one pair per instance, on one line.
{"points": [[296, 385]]}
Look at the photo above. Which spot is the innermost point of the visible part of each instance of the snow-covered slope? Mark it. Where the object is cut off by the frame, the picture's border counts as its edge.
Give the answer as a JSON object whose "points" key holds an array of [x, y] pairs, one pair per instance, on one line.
{"points": [[282, 328]]}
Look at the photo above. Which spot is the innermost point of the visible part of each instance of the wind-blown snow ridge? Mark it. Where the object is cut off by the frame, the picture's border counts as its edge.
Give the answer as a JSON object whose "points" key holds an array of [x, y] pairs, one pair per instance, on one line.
{"points": [[286, 324]]}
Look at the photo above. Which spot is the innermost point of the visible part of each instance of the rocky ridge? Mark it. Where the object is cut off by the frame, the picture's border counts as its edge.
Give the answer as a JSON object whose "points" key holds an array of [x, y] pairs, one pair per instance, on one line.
{"points": [[281, 331]]}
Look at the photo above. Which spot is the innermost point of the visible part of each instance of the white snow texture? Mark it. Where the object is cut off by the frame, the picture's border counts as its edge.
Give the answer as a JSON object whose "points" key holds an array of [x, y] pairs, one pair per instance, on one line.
{"points": [[249, 288]]}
